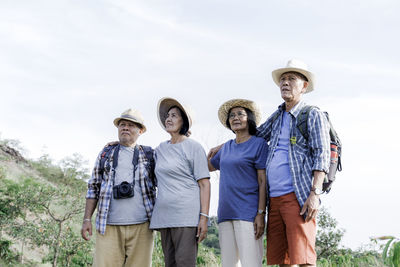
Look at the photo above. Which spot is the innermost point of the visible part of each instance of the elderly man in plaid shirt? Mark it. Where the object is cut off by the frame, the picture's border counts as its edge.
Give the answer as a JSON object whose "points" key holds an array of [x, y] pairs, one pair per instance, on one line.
{"points": [[296, 169], [123, 190]]}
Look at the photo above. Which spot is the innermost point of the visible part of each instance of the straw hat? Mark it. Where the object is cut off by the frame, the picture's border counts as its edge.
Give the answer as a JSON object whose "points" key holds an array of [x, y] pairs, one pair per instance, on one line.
{"points": [[165, 104], [131, 115], [244, 103], [296, 66]]}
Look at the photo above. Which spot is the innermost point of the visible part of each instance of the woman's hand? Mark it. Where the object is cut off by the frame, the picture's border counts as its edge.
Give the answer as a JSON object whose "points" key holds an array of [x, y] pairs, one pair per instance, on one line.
{"points": [[112, 143], [202, 229], [213, 151], [259, 225]]}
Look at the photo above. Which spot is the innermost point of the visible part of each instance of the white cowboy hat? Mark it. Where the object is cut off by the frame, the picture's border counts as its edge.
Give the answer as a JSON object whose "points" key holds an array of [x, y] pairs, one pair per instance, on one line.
{"points": [[244, 103], [296, 66], [131, 115], [165, 104]]}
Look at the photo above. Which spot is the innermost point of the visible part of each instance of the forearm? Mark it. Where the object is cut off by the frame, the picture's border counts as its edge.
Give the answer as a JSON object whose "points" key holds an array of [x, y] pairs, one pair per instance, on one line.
{"points": [[318, 179], [262, 191], [204, 185], [90, 207]]}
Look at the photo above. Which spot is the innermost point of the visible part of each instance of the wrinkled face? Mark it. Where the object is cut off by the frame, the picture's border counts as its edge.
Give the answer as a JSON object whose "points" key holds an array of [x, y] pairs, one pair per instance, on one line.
{"points": [[128, 132], [292, 86], [173, 121], [238, 119]]}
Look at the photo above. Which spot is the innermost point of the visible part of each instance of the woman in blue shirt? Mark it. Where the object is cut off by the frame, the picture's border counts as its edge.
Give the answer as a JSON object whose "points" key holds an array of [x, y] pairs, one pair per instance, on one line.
{"points": [[242, 185]]}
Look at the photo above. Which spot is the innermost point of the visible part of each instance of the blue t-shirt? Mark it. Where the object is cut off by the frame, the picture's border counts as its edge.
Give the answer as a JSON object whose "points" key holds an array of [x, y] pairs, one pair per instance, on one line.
{"points": [[280, 181], [238, 184]]}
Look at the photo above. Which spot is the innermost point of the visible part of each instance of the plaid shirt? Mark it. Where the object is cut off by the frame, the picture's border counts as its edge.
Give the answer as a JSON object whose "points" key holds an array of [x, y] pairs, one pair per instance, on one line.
{"points": [[304, 157], [100, 187]]}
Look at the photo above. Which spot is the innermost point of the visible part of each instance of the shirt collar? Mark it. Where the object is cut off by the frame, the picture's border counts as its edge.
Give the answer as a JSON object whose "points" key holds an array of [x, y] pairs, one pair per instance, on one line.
{"points": [[295, 110]]}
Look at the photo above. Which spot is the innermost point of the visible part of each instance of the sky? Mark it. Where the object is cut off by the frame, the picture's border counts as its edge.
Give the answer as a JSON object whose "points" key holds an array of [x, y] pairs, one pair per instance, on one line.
{"points": [[69, 67]]}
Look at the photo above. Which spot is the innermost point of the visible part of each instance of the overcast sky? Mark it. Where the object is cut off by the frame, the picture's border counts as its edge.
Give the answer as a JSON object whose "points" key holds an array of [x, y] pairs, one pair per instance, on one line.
{"points": [[69, 67]]}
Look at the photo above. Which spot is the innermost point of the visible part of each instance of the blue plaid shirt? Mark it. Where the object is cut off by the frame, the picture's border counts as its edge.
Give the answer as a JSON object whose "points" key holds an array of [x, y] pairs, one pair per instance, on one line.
{"points": [[100, 187], [304, 157]]}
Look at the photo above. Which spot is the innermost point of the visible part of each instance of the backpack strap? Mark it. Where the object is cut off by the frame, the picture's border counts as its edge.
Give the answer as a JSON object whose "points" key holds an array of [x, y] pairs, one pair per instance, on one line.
{"points": [[105, 154], [302, 120], [148, 152]]}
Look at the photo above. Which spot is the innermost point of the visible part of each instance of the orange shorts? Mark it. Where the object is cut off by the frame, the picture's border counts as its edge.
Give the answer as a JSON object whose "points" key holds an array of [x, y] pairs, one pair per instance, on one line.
{"points": [[290, 240]]}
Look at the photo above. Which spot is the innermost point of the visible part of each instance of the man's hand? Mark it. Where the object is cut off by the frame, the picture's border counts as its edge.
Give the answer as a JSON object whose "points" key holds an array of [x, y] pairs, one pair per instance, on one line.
{"points": [[86, 228], [259, 225], [213, 151], [311, 206], [202, 229]]}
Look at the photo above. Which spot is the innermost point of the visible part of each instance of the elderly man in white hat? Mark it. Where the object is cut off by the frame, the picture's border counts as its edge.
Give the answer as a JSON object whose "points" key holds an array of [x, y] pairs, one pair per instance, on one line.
{"points": [[296, 167], [123, 188]]}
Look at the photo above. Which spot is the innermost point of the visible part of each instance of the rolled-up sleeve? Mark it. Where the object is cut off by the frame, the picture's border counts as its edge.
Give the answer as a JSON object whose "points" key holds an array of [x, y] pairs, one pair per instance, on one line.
{"points": [[94, 182], [319, 140]]}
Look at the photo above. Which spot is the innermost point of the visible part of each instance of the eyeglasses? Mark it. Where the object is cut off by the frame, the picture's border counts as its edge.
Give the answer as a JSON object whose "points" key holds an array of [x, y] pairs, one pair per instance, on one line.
{"points": [[239, 114], [172, 115]]}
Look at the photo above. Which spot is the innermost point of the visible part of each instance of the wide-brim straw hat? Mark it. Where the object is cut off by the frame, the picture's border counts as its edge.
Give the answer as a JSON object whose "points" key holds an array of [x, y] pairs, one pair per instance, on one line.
{"points": [[296, 66], [224, 109], [165, 104], [131, 115]]}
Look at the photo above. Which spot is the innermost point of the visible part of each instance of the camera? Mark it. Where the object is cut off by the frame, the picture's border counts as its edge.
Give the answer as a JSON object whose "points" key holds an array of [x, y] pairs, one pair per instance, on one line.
{"points": [[123, 190]]}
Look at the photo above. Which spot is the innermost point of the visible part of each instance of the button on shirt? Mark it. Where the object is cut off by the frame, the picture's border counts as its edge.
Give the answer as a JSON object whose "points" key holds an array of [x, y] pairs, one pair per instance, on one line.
{"points": [[304, 157]]}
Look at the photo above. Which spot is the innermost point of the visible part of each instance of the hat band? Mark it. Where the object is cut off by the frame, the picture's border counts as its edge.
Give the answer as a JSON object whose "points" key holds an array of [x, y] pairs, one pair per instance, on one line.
{"points": [[125, 116]]}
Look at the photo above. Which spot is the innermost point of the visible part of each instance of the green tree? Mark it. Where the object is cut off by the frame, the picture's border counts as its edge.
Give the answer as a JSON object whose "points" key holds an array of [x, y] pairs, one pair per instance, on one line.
{"points": [[17, 202], [328, 235], [75, 167], [72, 205], [212, 240]]}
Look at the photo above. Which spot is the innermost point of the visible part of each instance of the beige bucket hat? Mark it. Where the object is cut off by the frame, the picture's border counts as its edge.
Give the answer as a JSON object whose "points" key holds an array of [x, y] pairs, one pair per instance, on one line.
{"points": [[244, 103], [164, 104], [297, 66], [131, 115]]}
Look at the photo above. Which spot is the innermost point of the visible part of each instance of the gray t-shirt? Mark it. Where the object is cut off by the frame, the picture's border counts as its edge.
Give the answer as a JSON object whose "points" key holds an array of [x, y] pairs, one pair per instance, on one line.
{"points": [[127, 211], [178, 168]]}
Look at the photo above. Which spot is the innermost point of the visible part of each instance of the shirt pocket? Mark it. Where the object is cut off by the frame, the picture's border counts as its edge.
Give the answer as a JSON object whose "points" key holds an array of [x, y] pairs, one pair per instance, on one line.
{"points": [[301, 147]]}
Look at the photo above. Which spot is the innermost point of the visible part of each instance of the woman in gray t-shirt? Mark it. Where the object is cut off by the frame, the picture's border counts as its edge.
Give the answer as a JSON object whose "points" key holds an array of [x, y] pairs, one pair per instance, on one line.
{"points": [[183, 199]]}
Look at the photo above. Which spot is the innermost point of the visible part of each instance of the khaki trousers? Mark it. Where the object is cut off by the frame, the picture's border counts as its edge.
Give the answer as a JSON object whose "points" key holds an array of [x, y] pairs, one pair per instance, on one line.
{"points": [[124, 245]]}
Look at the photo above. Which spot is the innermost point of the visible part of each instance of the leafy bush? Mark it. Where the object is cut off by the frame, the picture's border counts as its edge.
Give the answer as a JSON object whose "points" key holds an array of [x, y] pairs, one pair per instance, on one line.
{"points": [[391, 251], [6, 254]]}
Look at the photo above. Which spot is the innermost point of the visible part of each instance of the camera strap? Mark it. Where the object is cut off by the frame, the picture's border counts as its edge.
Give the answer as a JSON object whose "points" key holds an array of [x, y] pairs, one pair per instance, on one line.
{"points": [[135, 162], [115, 162]]}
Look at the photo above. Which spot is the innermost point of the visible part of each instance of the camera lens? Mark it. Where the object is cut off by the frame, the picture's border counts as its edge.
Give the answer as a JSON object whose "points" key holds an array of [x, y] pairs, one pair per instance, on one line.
{"points": [[124, 188]]}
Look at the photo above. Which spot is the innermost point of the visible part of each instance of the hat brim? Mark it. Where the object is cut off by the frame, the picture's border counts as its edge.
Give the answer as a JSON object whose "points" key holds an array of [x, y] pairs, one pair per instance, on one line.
{"points": [[276, 75], [244, 103], [164, 106], [116, 121]]}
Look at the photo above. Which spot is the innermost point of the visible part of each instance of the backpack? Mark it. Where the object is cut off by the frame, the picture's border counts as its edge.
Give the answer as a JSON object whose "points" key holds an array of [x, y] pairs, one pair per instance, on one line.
{"points": [[105, 154], [336, 144]]}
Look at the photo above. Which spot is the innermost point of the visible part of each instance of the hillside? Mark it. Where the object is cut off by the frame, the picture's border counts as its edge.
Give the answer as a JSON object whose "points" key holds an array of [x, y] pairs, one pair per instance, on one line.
{"points": [[41, 208], [38, 211]]}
